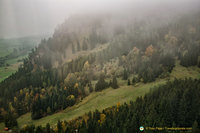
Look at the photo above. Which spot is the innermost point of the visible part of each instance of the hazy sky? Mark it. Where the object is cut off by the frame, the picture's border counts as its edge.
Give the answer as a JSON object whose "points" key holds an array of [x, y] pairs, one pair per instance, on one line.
{"points": [[30, 17]]}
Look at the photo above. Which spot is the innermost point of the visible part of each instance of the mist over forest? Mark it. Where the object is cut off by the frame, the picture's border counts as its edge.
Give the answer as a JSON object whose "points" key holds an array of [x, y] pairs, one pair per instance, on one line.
{"points": [[24, 18], [118, 66]]}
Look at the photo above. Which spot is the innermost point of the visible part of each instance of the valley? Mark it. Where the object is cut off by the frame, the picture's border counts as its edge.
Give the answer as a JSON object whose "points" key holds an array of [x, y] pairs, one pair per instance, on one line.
{"points": [[13, 51]]}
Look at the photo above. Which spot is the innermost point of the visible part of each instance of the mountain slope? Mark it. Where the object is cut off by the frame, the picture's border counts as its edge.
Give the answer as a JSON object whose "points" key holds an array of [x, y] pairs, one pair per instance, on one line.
{"points": [[108, 98], [83, 58]]}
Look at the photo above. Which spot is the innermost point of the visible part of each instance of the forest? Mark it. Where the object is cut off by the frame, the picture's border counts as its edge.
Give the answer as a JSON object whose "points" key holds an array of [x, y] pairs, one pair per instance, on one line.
{"points": [[84, 56], [175, 104]]}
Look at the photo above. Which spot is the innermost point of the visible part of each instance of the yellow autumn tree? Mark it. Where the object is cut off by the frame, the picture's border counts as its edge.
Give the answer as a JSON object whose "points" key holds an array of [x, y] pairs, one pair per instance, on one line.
{"points": [[86, 66], [43, 91], [70, 79], [118, 105], [12, 109], [136, 50], [172, 40], [102, 118], [56, 129], [25, 127], [70, 97], [149, 50], [76, 85], [64, 127], [15, 99], [21, 92], [65, 88]]}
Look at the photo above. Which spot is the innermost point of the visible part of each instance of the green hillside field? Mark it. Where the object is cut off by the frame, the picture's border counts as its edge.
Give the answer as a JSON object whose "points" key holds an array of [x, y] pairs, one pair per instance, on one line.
{"points": [[107, 98], [8, 45]]}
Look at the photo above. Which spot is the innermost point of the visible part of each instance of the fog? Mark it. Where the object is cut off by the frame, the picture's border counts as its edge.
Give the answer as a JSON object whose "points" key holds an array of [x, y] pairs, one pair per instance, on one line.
{"points": [[20, 18]]}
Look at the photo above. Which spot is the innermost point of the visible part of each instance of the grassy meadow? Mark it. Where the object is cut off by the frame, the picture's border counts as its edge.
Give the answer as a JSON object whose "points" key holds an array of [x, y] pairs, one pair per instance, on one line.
{"points": [[7, 46]]}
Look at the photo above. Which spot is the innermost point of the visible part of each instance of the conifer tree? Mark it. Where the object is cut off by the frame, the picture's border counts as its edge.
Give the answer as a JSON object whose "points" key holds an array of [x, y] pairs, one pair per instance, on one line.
{"points": [[59, 126], [48, 128], [84, 46], [78, 46], [129, 82], [73, 49], [101, 84], [125, 75], [133, 80], [10, 121], [114, 84]]}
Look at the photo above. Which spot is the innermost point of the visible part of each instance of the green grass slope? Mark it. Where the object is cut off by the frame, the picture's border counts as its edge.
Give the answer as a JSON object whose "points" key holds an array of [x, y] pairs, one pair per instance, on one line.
{"points": [[107, 98], [8, 45], [12, 68], [96, 100]]}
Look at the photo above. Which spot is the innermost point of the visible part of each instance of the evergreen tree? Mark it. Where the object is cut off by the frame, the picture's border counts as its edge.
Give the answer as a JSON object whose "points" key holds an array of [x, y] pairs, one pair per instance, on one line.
{"points": [[39, 129], [101, 84], [129, 82], [114, 84], [31, 129], [84, 46], [73, 49], [10, 121], [93, 38], [110, 83], [168, 62], [125, 75], [78, 46], [48, 110], [48, 128], [134, 80], [59, 126]]}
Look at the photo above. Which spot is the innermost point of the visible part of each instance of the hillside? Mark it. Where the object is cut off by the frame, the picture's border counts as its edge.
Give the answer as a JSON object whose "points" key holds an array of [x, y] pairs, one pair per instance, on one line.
{"points": [[13, 51], [110, 98], [171, 107], [95, 63]]}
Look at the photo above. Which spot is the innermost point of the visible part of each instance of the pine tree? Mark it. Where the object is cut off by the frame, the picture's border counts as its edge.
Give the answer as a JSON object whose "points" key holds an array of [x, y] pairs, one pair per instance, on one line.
{"points": [[129, 82], [39, 129], [48, 128], [31, 129], [125, 75], [10, 121], [78, 46], [84, 46], [101, 84], [73, 49], [110, 83], [48, 110], [133, 80], [114, 84], [59, 126]]}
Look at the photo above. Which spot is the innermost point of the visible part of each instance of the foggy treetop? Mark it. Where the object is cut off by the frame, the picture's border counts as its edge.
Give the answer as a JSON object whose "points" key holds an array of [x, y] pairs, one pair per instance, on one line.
{"points": [[25, 18]]}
